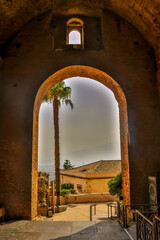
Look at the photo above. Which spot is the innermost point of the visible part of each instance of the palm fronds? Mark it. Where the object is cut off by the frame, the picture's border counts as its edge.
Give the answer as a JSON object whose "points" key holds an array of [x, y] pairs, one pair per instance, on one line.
{"points": [[62, 92]]}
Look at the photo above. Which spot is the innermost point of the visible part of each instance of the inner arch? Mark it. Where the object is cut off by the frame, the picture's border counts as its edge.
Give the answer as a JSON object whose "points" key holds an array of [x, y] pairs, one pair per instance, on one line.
{"points": [[88, 134]]}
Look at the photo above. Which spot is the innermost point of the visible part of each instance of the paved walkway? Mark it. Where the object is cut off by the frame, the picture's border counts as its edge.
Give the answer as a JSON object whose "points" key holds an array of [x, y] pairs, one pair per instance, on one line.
{"points": [[72, 224], [78, 212], [51, 230]]}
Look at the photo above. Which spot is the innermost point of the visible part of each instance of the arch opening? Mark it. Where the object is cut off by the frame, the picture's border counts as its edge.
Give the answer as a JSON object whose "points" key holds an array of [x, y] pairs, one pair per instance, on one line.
{"points": [[74, 37], [87, 72]]}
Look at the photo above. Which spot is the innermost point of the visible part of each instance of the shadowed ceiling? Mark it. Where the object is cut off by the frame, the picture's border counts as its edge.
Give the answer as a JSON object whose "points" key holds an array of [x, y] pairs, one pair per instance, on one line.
{"points": [[143, 14]]}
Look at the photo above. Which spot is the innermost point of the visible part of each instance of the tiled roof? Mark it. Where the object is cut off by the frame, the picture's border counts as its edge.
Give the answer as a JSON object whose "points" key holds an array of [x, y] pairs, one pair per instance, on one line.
{"points": [[100, 166]]}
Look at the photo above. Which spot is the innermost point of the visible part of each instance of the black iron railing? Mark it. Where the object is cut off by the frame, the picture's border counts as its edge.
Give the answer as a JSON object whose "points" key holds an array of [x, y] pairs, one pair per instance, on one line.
{"points": [[121, 213], [149, 210], [144, 227], [156, 222], [144, 216]]}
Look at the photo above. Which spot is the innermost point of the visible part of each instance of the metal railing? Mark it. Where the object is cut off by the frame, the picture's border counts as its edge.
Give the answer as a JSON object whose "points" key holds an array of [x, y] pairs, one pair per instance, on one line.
{"points": [[144, 227], [149, 210], [124, 214], [145, 216], [147, 229], [121, 213], [111, 210], [156, 222]]}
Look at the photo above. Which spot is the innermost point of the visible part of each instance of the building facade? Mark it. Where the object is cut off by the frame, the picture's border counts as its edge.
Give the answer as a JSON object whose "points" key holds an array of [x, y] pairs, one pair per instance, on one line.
{"points": [[91, 178]]}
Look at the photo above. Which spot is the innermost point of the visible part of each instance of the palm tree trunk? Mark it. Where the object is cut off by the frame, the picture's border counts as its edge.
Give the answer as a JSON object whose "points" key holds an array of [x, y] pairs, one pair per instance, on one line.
{"points": [[57, 153]]}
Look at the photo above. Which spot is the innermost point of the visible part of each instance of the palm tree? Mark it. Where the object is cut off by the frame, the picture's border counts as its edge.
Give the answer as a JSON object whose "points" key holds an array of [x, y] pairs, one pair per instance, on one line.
{"points": [[57, 94]]}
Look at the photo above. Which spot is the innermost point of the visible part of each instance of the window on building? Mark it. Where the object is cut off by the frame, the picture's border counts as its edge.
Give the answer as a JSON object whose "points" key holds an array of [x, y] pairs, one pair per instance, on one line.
{"points": [[75, 33], [69, 185], [79, 188], [74, 37]]}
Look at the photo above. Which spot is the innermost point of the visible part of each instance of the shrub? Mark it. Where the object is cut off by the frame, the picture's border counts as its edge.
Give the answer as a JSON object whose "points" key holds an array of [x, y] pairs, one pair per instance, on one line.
{"points": [[72, 190], [65, 186], [64, 192], [115, 185]]}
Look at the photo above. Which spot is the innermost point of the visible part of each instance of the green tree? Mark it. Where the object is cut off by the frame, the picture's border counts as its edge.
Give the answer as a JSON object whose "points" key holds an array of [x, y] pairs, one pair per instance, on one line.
{"points": [[115, 185], [58, 94], [67, 165]]}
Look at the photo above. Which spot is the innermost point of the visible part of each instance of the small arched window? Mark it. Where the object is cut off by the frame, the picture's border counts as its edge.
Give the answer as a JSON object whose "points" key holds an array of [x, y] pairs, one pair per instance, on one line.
{"points": [[74, 37], [75, 33]]}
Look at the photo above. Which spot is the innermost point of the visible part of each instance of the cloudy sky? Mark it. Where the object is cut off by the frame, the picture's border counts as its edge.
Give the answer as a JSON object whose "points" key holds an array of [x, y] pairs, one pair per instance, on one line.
{"points": [[89, 132]]}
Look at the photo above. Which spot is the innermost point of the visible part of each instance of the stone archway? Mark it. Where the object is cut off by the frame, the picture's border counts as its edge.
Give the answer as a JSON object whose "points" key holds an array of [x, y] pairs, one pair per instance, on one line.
{"points": [[102, 77]]}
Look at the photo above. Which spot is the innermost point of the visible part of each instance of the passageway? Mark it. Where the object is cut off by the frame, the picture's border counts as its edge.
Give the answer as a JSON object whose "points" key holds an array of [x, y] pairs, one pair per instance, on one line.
{"points": [[44, 230], [119, 47]]}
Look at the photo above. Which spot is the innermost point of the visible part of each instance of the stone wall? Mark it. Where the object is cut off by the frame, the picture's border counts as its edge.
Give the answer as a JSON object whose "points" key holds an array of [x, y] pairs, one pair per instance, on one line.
{"points": [[86, 198], [31, 58]]}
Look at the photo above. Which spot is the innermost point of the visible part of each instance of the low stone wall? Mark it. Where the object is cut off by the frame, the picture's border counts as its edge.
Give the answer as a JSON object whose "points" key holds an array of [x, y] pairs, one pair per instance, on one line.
{"points": [[62, 200], [86, 198]]}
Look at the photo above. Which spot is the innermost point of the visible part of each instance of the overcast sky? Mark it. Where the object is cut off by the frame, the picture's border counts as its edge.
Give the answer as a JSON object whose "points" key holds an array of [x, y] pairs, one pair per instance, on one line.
{"points": [[89, 132]]}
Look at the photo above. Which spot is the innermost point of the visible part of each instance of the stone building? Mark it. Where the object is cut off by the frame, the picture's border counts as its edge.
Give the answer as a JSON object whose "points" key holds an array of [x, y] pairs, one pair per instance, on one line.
{"points": [[119, 47], [91, 178]]}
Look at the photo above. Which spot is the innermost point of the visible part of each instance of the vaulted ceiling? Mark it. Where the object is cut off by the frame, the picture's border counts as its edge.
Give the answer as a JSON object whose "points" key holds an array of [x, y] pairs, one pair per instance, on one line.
{"points": [[143, 14]]}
